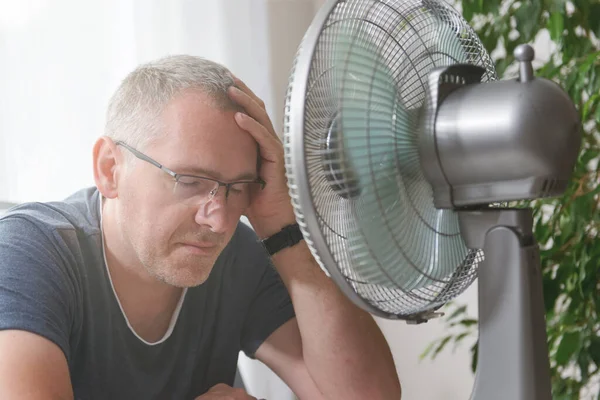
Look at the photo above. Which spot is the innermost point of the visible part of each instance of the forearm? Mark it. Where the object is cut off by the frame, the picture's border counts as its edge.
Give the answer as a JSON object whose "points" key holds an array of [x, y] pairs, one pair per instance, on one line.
{"points": [[343, 348]]}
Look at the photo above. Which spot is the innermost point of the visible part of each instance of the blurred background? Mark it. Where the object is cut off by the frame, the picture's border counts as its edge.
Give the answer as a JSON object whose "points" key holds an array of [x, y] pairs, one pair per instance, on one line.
{"points": [[61, 60]]}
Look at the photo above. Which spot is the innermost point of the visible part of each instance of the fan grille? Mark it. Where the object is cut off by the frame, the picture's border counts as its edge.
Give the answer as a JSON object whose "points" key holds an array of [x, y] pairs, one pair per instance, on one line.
{"points": [[361, 98]]}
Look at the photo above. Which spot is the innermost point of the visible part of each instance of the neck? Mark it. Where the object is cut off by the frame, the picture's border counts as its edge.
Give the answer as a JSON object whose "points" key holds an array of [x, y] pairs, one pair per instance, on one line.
{"points": [[135, 286]]}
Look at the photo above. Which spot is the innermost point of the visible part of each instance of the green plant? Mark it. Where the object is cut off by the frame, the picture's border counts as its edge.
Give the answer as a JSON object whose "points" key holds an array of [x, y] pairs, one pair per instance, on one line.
{"points": [[567, 228]]}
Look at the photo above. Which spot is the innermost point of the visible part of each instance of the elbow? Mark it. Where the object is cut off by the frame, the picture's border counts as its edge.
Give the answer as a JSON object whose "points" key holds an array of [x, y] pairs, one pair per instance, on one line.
{"points": [[377, 388], [383, 381], [397, 389], [390, 391], [387, 386]]}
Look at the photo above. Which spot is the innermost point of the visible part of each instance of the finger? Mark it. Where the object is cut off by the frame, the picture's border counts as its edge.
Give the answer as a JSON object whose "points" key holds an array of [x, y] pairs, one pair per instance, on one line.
{"points": [[219, 387], [252, 108], [243, 87], [269, 145]]}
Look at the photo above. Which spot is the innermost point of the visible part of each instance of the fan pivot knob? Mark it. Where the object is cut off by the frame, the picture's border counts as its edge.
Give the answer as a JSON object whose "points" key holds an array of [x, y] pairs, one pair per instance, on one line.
{"points": [[525, 54]]}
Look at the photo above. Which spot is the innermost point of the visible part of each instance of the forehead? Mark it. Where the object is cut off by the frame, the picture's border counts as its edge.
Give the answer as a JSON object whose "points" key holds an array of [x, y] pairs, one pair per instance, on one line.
{"points": [[197, 134]]}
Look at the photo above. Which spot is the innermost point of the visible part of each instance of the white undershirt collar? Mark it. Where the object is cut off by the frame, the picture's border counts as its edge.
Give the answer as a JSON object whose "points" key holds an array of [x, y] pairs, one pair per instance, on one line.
{"points": [[175, 313]]}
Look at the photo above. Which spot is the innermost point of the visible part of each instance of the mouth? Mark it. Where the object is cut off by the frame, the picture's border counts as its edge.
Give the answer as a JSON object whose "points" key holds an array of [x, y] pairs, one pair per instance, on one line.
{"points": [[200, 248]]}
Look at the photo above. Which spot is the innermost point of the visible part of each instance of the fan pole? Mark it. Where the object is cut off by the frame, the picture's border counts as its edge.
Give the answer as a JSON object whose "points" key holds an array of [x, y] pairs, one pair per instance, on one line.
{"points": [[512, 360]]}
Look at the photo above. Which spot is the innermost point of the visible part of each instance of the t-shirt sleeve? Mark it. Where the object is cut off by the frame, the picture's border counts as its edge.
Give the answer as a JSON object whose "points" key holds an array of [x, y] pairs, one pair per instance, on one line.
{"points": [[34, 294], [270, 308]]}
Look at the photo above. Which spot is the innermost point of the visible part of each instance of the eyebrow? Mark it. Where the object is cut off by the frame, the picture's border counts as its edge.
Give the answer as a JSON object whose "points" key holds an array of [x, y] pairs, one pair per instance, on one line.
{"points": [[202, 172]]}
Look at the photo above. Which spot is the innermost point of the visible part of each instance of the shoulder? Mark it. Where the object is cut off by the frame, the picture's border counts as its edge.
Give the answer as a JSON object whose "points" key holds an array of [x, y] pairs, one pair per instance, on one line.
{"points": [[57, 231], [49, 244], [77, 212]]}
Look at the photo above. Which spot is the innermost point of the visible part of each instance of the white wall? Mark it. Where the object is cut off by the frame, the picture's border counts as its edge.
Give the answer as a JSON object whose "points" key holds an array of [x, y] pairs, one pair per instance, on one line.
{"points": [[449, 376], [44, 68], [62, 59]]}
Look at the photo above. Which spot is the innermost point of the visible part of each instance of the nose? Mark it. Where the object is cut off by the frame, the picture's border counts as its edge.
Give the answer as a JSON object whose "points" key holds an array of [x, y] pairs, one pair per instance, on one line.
{"points": [[213, 213]]}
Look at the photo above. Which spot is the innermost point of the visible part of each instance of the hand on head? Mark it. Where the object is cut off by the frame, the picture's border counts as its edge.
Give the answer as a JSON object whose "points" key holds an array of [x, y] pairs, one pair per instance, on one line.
{"points": [[271, 208]]}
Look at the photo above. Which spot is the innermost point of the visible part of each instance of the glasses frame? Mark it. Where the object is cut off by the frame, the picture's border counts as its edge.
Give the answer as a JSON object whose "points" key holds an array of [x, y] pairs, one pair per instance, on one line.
{"points": [[176, 176]]}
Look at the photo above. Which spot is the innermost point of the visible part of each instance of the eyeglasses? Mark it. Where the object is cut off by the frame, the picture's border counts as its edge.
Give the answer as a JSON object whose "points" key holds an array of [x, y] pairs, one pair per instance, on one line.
{"points": [[198, 190]]}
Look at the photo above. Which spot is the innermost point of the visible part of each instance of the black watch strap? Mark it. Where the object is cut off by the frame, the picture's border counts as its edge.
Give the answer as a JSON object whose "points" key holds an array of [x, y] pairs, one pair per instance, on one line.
{"points": [[287, 237]]}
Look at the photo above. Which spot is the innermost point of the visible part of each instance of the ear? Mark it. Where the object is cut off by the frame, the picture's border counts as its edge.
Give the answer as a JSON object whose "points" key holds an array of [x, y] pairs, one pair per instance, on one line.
{"points": [[107, 164]]}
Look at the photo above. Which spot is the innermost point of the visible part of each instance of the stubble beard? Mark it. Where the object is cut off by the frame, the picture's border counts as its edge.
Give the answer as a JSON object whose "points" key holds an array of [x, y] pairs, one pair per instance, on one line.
{"points": [[182, 272]]}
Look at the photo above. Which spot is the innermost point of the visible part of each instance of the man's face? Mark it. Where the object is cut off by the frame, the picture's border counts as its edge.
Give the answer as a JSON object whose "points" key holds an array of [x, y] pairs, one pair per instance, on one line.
{"points": [[179, 243]]}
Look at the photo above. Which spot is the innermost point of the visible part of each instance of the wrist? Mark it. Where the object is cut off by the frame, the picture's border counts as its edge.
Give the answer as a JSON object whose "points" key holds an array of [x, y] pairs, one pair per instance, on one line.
{"points": [[287, 237], [269, 226]]}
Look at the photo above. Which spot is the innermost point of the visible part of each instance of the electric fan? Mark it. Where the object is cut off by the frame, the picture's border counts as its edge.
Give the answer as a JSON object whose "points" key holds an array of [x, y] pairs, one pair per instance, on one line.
{"points": [[402, 150]]}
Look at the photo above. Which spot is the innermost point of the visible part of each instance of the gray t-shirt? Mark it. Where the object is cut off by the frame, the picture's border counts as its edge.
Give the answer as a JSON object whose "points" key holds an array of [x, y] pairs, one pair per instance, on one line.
{"points": [[54, 282]]}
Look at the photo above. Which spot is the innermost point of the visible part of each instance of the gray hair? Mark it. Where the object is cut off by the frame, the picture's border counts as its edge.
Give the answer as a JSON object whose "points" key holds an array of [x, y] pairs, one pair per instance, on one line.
{"points": [[133, 114]]}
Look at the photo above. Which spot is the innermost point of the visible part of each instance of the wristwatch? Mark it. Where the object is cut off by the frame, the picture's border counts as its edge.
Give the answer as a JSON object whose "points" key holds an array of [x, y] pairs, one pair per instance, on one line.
{"points": [[287, 237]]}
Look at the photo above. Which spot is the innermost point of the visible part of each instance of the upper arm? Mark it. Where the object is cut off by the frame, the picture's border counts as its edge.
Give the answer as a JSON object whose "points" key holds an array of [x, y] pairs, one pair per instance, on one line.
{"points": [[36, 313], [282, 353], [32, 367]]}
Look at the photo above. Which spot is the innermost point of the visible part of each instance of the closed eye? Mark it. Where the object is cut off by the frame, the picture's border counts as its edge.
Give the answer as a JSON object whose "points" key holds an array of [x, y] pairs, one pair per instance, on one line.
{"points": [[195, 183]]}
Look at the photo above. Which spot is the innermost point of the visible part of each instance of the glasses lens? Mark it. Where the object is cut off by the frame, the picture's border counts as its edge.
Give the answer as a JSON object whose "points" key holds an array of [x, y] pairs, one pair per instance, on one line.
{"points": [[196, 190], [190, 189], [240, 193]]}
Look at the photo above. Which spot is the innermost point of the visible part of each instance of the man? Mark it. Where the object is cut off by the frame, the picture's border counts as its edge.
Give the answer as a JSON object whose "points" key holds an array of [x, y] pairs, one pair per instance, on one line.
{"points": [[148, 286]]}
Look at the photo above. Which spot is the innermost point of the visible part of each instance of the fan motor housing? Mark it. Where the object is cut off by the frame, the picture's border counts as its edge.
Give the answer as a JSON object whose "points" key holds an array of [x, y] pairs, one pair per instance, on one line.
{"points": [[499, 141]]}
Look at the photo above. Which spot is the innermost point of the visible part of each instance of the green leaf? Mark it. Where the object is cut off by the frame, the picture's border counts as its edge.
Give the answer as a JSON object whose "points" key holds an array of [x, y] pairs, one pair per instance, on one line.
{"points": [[489, 37], [503, 63], [556, 4], [594, 19], [460, 337], [549, 70], [457, 312], [511, 45], [467, 10], [441, 346], [551, 291], [594, 75], [474, 355], [583, 362], [542, 232], [556, 25], [588, 155], [427, 350], [490, 6], [595, 350], [589, 105], [569, 344], [570, 85], [527, 17], [466, 322]]}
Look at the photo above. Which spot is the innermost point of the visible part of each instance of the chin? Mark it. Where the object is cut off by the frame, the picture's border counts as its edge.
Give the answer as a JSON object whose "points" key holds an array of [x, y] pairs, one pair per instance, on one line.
{"points": [[187, 274], [187, 282], [183, 280]]}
